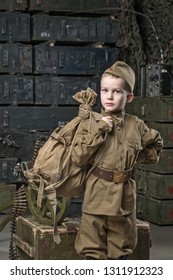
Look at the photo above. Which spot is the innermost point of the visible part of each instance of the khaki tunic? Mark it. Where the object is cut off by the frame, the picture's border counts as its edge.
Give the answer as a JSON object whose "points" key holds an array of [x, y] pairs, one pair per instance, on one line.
{"points": [[108, 226], [130, 141]]}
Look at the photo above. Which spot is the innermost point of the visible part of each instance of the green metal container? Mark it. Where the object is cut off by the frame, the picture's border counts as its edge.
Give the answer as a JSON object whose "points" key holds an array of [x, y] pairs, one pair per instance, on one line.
{"points": [[165, 164], [88, 6], [166, 131], [156, 109], [158, 186], [13, 5], [155, 210]]}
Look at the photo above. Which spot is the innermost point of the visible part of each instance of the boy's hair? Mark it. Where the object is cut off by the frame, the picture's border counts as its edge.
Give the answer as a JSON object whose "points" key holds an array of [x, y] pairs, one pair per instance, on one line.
{"points": [[122, 70]]}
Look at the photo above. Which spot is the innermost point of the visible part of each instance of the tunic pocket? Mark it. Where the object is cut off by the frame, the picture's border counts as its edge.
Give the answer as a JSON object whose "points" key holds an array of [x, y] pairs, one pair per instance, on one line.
{"points": [[133, 146], [134, 143]]}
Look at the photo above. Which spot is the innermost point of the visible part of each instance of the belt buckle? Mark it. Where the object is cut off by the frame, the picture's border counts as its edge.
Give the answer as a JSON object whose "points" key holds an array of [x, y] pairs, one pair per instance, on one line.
{"points": [[119, 177]]}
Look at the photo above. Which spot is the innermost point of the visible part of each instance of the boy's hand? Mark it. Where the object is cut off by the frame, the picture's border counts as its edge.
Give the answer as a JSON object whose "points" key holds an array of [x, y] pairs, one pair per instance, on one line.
{"points": [[108, 120]]}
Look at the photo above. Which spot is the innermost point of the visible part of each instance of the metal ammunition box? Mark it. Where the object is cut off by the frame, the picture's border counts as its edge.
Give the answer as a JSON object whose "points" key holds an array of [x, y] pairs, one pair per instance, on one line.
{"points": [[35, 241], [156, 109], [154, 185], [7, 193], [155, 210], [20, 144], [13, 5], [10, 171], [14, 27], [59, 90], [35, 118], [15, 58], [88, 6], [16, 89], [68, 60], [156, 80], [164, 166], [74, 29]]}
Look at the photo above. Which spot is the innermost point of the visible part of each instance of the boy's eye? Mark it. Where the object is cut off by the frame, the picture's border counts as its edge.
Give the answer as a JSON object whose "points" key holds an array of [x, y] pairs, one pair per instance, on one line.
{"points": [[104, 90], [118, 90]]}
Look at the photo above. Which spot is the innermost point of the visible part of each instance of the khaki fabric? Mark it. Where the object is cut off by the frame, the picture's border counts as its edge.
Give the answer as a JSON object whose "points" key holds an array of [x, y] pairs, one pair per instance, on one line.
{"points": [[130, 141], [106, 237], [108, 224], [124, 71], [53, 171]]}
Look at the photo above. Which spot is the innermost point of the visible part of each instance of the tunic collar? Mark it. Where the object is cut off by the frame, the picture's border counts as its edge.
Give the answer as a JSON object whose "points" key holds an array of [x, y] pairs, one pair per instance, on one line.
{"points": [[117, 117]]}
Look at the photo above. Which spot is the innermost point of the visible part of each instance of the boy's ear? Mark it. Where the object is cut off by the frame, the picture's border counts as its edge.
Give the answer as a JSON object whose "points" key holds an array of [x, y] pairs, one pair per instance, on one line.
{"points": [[130, 97]]}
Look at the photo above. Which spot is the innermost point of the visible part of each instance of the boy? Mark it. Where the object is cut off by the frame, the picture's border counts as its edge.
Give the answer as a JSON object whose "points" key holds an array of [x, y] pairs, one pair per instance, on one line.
{"points": [[115, 144]]}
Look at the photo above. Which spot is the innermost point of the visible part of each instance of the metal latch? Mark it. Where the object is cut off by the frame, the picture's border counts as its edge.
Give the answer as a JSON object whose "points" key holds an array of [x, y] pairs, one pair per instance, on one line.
{"points": [[6, 119]]}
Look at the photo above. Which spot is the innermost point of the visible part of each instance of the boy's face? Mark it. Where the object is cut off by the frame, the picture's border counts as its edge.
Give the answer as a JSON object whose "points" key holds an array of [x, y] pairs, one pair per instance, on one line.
{"points": [[113, 95]]}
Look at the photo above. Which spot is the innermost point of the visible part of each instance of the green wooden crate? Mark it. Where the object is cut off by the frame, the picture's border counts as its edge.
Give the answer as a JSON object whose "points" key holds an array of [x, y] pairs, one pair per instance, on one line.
{"points": [[35, 241], [142, 250], [158, 186], [88, 6], [155, 210], [156, 109], [166, 131], [165, 164], [13, 5]]}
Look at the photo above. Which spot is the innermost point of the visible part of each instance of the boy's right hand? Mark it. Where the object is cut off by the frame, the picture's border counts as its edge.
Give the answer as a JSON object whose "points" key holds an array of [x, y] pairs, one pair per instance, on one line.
{"points": [[108, 120]]}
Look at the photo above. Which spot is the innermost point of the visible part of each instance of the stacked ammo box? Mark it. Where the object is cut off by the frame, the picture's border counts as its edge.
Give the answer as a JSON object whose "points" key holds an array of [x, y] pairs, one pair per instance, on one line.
{"points": [[155, 107], [16, 87], [49, 50]]}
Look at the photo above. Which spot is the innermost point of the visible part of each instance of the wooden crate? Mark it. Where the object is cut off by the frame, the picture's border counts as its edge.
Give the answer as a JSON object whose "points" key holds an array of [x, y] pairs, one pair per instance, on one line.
{"points": [[35, 242]]}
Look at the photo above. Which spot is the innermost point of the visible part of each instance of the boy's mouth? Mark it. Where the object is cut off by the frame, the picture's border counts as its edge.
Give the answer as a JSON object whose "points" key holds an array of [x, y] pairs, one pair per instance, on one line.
{"points": [[109, 104]]}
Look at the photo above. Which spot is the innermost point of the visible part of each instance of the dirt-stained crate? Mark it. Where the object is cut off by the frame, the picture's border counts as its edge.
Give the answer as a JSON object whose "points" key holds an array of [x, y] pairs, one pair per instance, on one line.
{"points": [[16, 89], [78, 6], [74, 29], [35, 241], [59, 90], [70, 60], [38, 118], [15, 58], [14, 27], [13, 5]]}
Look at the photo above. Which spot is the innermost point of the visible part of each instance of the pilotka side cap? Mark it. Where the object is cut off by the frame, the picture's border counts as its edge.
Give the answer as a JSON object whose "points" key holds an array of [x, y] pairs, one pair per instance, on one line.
{"points": [[124, 71]]}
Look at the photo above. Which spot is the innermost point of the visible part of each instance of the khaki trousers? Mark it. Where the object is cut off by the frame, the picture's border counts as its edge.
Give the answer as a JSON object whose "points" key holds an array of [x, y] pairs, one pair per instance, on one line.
{"points": [[106, 237]]}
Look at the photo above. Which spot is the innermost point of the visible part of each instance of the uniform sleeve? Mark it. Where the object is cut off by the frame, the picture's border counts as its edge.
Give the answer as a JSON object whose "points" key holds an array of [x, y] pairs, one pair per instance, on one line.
{"points": [[152, 143], [88, 141]]}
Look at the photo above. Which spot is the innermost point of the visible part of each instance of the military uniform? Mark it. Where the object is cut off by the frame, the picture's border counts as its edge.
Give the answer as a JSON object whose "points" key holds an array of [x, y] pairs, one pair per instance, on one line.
{"points": [[108, 226]]}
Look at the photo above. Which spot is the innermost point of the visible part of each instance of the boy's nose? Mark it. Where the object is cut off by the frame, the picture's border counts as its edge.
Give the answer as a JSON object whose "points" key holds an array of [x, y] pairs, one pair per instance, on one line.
{"points": [[110, 95]]}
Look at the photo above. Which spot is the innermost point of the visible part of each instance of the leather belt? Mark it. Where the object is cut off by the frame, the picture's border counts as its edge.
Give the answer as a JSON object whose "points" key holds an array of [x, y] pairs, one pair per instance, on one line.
{"points": [[117, 176]]}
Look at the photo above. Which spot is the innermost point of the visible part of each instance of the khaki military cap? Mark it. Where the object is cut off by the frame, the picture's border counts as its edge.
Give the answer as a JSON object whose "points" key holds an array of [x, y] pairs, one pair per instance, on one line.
{"points": [[124, 71]]}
